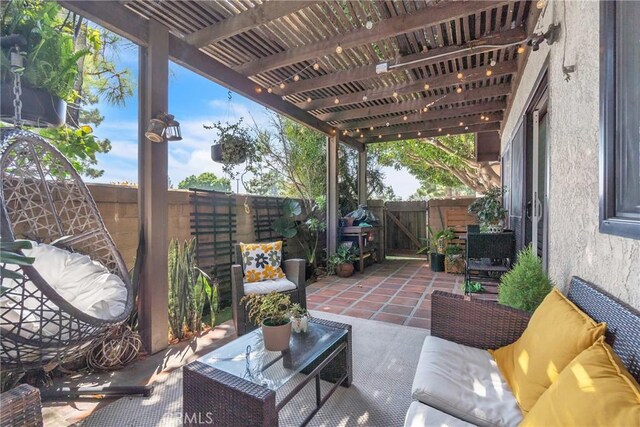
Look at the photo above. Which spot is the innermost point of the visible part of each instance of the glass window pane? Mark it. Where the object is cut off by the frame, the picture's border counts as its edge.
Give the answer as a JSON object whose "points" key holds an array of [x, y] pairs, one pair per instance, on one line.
{"points": [[628, 110]]}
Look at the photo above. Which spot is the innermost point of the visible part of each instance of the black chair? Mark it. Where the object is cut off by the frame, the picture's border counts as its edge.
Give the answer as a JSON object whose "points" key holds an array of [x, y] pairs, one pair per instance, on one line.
{"points": [[294, 269], [488, 256]]}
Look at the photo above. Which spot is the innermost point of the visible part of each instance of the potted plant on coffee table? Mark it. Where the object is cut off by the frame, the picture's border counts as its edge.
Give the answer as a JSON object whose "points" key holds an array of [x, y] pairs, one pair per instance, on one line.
{"points": [[489, 211], [342, 261], [271, 312], [299, 318]]}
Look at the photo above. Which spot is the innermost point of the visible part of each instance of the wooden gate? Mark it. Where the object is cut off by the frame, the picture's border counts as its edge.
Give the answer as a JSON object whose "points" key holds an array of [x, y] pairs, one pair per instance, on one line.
{"points": [[406, 226]]}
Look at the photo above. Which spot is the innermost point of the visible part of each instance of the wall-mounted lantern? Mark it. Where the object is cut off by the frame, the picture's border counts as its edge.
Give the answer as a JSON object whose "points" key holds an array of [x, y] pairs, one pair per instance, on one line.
{"points": [[163, 126]]}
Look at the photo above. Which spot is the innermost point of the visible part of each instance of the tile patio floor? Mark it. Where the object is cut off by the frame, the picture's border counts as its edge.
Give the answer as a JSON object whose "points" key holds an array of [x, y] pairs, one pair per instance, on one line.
{"points": [[396, 291]]}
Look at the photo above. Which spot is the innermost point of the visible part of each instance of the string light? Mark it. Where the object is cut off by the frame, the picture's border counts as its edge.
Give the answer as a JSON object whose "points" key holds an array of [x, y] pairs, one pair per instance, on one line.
{"points": [[379, 136], [426, 86], [282, 85], [361, 136], [369, 24], [258, 89], [339, 49], [489, 72], [344, 132], [364, 98], [459, 89], [486, 119], [358, 130], [387, 124], [425, 109], [371, 128], [461, 123], [399, 135], [405, 118], [269, 90], [493, 63], [540, 3], [395, 94], [308, 99], [419, 133], [466, 128], [336, 101], [316, 66], [296, 78], [460, 76], [439, 129], [482, 117], [521, 49]]}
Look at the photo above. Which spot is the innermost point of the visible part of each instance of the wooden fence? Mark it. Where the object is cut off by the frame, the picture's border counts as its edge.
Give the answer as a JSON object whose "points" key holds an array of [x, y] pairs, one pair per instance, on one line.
{"points": [[406, 226]]}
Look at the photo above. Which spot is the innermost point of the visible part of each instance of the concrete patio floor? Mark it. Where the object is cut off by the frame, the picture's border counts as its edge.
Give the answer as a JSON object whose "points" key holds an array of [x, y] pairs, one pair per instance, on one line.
{"points": [[396, 291]]}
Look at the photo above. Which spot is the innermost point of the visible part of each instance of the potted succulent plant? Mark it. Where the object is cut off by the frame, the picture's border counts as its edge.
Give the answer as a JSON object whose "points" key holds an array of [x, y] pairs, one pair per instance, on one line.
{"points": [[489, 211], [50, 62], [272, 313], [235, 144], [342, 261], [299, 318]]}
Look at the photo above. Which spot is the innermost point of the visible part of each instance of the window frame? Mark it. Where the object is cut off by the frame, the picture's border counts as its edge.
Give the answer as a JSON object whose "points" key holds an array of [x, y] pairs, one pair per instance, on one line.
{"points": [[609, 223]]}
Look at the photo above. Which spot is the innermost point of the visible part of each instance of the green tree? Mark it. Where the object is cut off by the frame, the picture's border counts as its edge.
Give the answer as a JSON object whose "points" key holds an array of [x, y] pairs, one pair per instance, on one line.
{"points": [[446, 161], [206, 181]]}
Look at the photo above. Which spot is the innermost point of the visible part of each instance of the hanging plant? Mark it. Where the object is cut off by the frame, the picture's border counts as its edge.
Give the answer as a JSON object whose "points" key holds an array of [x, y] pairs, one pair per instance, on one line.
{"points": [[234, 146]]}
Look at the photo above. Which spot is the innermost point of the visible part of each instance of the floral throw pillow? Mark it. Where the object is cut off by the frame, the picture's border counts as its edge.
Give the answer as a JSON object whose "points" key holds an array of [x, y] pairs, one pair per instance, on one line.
{"points": [[261, 261]]}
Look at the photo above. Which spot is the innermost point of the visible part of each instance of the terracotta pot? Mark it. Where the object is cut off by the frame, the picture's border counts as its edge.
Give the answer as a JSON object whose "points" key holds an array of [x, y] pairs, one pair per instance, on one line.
{"points": [[348, 221], [344, 270], [276, 338]]}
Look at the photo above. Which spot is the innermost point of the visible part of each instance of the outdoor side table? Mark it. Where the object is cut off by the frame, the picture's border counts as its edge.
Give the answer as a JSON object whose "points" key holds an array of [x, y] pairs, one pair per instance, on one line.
{"points": [[236, 384]]}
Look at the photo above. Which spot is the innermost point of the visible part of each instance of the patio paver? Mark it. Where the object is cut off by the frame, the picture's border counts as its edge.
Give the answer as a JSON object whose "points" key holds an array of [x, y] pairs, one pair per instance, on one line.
{"points": [[396, 291]]}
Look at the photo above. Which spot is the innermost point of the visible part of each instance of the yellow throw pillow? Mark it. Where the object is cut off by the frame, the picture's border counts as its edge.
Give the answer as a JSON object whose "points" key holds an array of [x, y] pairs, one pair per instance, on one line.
{"points": [[557, 332], [595, 389], [261, 261]]}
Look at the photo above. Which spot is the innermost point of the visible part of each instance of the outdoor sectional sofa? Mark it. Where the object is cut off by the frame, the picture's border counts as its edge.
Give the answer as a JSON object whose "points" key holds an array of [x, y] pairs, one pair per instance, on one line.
{"points": [[457, 382]]}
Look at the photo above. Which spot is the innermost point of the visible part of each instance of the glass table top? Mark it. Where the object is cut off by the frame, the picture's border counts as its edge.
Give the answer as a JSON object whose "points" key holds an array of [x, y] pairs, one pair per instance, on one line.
{"points": [[246, 357]]}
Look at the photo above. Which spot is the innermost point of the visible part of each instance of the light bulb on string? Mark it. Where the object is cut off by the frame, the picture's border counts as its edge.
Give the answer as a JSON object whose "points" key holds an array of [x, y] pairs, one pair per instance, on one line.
{"points": [[296, 78], [425, 109], [364, 98], [358, 130], [399, 135], [338, 49], [492, 63], [459, 89], [489, 72], [419, 133], [282, 85], [521, 49], [371, 128], [466, 128], [308, 99], [426, 86], [387, 124], [258, 89], [439, 129], [316, 66], [460, 76], [379, 136], [361, 136], [395, 94], [369, 24], [405, 118], [269, 90], [336, 101], [461, 123]]}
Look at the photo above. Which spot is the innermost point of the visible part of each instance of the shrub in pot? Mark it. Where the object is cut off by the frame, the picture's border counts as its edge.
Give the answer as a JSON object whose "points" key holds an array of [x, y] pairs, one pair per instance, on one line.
{"points": [[341, 263], [435, 245], [272, 313], [234, 146], [526, 284], [489, 211]]}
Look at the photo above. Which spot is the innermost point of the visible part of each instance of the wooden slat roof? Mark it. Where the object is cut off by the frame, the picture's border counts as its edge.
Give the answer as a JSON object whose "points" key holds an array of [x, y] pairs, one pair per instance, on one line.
{"points": [[290, 50]]}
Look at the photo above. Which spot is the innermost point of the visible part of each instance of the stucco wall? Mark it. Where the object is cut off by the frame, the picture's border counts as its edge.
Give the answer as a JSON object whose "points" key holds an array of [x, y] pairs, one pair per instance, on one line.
{"points": [[576, 247]]}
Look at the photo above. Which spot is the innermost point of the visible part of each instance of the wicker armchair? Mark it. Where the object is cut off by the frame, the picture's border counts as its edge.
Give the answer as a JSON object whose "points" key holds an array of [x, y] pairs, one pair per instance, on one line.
{"points": [[294, 269], [21, 407]]}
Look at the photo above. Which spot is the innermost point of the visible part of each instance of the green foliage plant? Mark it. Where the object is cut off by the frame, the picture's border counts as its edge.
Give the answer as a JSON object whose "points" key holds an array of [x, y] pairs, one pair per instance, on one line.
{"points": [[272, 309], [436, 242], [488, 208], [51, 60], [472, 287], [526, 285], [9, 255], [296, 311], [238, 144], [190, 290], [343, 255]]}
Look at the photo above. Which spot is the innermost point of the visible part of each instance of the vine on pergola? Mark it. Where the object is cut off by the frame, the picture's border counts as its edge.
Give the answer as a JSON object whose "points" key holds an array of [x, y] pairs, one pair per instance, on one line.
{"points": [[447, 161]]}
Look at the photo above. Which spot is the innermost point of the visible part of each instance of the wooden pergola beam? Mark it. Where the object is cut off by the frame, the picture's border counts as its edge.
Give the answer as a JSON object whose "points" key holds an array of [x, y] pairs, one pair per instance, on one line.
{"points": [[426, 17], [486, 107], [446, 80], [433, 56], [418, 104], [458, 130], [251, 18], [116, 17], [431, 125]]}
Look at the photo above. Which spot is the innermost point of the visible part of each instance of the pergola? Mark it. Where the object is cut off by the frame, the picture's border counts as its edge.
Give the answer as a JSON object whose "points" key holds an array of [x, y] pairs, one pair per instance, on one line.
{"points": [[359, 71]]}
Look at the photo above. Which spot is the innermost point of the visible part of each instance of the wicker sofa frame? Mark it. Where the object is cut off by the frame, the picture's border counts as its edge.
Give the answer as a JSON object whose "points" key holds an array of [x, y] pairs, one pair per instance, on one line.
{"points": [[486, 325], [44, 199], [294, 269]]}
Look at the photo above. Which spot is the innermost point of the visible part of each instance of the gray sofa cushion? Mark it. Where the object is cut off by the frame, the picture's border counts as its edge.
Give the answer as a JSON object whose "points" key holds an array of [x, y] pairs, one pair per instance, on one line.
{"points": [[421, 415], [464, 382]]}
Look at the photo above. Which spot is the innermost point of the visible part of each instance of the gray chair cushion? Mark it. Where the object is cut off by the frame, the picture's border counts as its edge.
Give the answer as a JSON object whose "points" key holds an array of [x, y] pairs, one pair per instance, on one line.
{"points": [[464, 382], [421, 415], [266, 286]]}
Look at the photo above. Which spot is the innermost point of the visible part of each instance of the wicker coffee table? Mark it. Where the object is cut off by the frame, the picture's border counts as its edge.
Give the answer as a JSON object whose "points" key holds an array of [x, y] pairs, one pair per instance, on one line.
{"points": [[236, 384]]}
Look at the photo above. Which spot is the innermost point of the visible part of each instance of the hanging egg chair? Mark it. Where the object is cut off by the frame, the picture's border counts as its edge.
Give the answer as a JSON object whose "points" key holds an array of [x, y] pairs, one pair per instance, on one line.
{"points": [[78, 289]]}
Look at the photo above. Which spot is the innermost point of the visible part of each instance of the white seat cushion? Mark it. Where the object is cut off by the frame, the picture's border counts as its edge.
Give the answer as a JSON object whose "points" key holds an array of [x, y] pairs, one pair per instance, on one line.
{"points": [[266, 286], [421, 415], [464, 382]]}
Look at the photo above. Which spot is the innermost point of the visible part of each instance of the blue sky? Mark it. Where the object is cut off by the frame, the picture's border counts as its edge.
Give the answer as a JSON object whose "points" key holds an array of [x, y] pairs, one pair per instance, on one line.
{"points": [[194, 101]]}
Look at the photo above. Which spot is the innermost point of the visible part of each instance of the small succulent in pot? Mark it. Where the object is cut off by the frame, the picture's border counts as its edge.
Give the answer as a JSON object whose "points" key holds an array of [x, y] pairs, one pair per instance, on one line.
{"points": [[234, 146], [299, 318], [341, 263]]}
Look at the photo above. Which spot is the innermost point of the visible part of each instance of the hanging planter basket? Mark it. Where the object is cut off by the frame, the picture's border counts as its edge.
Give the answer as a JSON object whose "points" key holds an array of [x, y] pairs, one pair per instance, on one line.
{"points": [[232, 157], [39, 107]]}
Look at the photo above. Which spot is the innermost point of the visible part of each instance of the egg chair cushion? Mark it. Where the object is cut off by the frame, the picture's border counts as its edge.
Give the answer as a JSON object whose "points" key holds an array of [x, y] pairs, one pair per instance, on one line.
{"points": [[85, 284]]}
